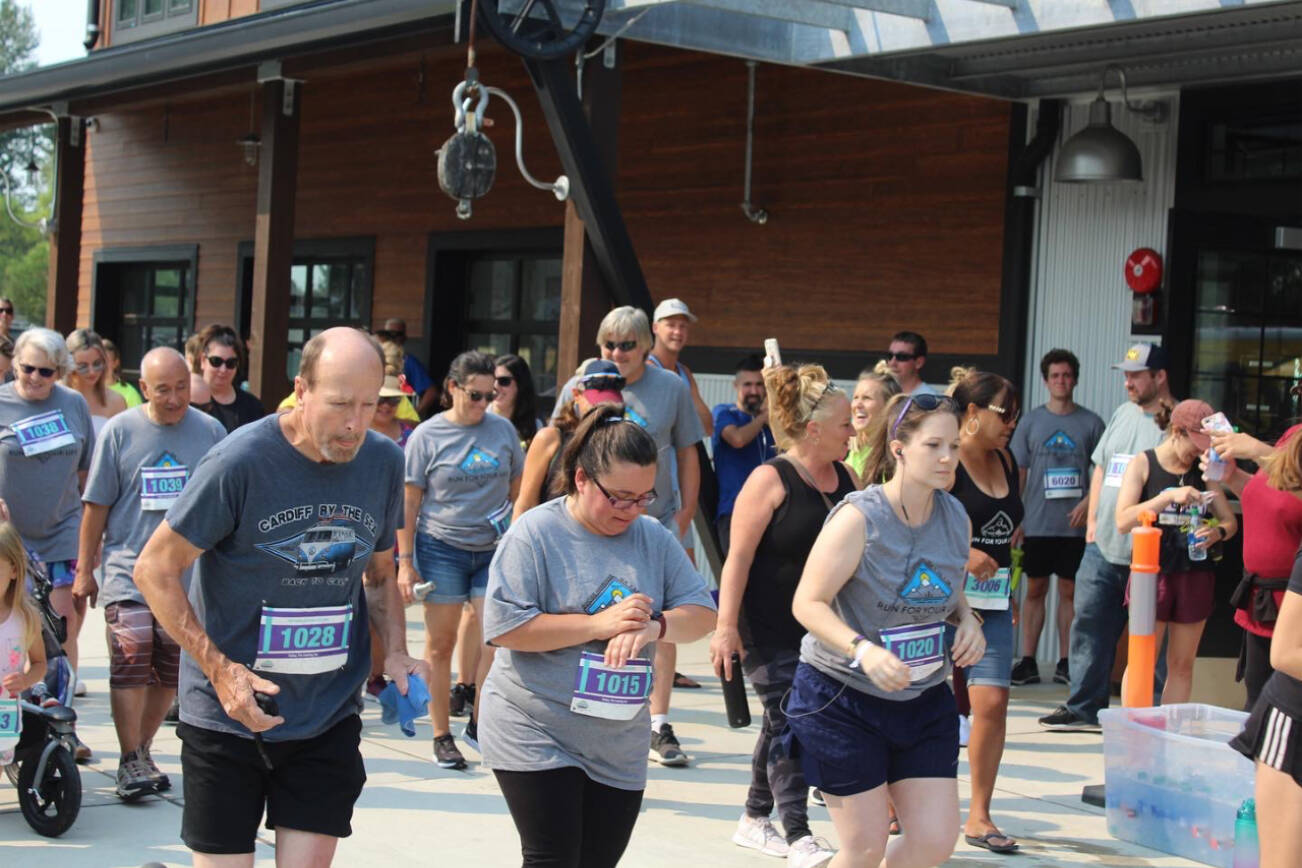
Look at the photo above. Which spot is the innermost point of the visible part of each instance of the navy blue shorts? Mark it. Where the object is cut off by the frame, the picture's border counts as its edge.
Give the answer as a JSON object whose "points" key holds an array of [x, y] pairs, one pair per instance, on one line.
{"points": [[849, 742]]}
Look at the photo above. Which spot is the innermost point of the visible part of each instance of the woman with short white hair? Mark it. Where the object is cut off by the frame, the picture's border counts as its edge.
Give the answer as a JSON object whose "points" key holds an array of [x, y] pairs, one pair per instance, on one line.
{"points": [[46, 440]]}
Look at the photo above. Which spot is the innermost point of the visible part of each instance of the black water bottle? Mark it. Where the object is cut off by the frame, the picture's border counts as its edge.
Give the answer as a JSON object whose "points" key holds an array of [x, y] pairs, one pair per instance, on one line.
{"points": [[734, 696]]}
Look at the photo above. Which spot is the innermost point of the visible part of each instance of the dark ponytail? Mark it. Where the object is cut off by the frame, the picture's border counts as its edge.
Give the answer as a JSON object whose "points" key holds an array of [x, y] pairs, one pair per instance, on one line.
{"points": [[603, 438], [1162, 418]]}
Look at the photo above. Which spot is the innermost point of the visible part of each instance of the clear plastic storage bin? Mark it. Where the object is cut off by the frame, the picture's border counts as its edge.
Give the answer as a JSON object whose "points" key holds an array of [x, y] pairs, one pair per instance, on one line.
{"points": [[1173, 782]]}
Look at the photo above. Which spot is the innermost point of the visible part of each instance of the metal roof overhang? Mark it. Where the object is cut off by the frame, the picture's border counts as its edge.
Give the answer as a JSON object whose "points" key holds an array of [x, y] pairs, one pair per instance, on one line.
{"points": [[1010, 49]]}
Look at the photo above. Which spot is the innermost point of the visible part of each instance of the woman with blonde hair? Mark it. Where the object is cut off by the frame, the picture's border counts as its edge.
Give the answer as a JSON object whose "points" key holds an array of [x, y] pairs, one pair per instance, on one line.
{"points": [[777, 516], [90, 376], [22, 649], [875, 388]]}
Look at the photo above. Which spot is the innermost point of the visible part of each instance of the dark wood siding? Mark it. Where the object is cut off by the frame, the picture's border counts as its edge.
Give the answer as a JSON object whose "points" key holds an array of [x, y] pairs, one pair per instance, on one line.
{"points": [[886, 200]]}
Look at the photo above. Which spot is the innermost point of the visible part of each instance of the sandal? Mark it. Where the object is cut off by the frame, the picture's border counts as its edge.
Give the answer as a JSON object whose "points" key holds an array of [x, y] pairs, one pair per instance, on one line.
{"points": [[985, 843], [681, 680]]}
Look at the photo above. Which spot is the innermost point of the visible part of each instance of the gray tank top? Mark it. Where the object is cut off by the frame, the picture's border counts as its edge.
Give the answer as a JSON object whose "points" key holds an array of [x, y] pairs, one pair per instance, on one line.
{"points": [[906, 585]]}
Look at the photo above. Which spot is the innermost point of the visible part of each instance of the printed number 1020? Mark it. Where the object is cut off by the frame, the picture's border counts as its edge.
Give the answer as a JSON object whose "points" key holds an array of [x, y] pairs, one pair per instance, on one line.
{"points": [[614, 683], [307, 637]]}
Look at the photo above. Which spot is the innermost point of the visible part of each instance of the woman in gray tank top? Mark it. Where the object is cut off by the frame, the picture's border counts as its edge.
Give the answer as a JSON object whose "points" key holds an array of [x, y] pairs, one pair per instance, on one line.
{"points": [[870, 714]]}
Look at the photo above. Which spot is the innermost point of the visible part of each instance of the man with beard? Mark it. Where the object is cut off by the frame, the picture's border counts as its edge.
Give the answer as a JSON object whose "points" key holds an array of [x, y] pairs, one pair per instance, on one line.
{"points": [[1105, 567], [742, 440], [281, 519]]}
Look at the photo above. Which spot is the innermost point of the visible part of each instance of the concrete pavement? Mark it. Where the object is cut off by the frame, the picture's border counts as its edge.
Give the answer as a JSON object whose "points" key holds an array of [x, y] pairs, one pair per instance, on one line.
{"points": [[413, 813]]}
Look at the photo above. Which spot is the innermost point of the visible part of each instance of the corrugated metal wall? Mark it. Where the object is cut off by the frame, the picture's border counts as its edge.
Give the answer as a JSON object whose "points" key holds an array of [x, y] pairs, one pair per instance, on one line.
{"points": [[1079, 299]]}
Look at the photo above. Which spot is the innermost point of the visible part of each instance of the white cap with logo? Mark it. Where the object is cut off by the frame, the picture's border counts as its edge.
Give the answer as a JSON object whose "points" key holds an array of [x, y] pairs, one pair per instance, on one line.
{"points": [[672, 307]]}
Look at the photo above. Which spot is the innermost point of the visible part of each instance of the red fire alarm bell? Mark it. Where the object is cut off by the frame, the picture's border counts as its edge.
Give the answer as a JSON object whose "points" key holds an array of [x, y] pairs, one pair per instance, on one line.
{"points": [[1144, 271]]}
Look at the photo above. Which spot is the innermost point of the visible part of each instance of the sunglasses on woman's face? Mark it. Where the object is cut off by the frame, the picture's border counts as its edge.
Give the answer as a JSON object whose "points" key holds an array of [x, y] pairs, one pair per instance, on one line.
{"points": [[217, 361], [1008, 415], [87, 367], [504, 381], [45, 373], [622, 346], [390, 335], [476, 397], [7, 311]]}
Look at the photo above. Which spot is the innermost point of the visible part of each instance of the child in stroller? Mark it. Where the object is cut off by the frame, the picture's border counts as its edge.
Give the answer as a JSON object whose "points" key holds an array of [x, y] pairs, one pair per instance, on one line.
{"points": [[37, 742]]}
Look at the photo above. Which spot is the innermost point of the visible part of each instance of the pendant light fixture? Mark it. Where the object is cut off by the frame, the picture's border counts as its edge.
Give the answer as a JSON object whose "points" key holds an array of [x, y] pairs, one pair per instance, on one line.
{"points": [[1101, 153]]}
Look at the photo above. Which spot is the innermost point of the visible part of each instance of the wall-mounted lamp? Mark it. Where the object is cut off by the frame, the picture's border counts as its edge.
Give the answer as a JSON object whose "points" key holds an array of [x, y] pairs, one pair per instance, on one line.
{"points": [[250, 144], [1101, 153]]}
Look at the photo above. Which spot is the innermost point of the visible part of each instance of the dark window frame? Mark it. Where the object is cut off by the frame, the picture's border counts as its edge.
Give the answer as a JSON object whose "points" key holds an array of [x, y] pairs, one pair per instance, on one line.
{"points": [[140, 26], [160, 255]]}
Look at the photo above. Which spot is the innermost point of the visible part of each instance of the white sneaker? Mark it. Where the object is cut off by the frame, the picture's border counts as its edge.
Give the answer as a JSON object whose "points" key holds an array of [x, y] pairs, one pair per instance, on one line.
{"points": [[758, 833], [810, 852], [964, 730]]}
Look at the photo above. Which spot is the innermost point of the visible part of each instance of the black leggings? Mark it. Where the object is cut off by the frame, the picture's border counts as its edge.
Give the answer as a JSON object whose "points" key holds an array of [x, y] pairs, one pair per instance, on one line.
{"points": [[566, 819], [1255, 665]]}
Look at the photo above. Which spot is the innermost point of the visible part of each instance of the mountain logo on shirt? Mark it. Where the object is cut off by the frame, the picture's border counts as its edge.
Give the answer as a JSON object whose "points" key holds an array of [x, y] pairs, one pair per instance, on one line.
{"points": [[1000, 527], [167, 459], [478, 463], [634, 416], [323, 549], [1060, 442], [925, 586], [613, 591]]}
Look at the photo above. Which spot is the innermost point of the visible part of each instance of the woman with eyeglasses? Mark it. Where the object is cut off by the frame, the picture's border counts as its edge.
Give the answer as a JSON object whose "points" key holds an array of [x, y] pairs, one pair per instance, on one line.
{"points": [[516, 398], [870, 715], [778, 514], [580, 591], [46, 441], [986, 482], [599, 383], [220, 359], [89, 376], [463, 475]]}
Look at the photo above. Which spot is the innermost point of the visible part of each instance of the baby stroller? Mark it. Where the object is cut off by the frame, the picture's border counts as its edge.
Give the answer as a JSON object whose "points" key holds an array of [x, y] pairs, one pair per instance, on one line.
{"points": [[43, 767]]}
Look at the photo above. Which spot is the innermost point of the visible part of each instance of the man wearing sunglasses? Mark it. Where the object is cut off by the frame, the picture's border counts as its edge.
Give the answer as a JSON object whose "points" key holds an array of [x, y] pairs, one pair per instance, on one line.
{"points": [[281, 520], [6, 317], [1105, 567], [395, 332], [905, 359]]}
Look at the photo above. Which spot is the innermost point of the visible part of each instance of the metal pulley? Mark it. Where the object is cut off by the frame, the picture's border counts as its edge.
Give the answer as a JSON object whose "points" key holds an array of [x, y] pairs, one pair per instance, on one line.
{"points": [[467, 162]]}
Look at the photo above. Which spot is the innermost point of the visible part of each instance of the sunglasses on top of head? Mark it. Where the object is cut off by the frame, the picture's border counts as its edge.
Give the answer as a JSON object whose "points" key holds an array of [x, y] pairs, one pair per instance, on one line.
{"points": [[217, 361], [924, 401], [46, 373], [622, 346]]}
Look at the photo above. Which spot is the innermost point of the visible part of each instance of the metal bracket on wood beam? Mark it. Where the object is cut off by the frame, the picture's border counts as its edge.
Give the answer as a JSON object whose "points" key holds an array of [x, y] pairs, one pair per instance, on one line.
{"points": [[270, 71]]}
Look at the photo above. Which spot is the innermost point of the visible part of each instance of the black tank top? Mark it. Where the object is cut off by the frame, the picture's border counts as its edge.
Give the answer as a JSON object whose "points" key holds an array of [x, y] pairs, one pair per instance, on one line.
{"points": [[554, 472], [766, 621], [993, 518], [1174, 556]]}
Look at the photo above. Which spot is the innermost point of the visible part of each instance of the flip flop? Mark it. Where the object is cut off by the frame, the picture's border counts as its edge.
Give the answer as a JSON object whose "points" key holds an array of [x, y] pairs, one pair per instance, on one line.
{"points": [[984, 842], [681, 680]]}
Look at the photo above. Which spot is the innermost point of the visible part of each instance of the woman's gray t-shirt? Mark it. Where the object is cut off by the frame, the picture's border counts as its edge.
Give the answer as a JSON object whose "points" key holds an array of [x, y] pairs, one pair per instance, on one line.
{"points": [[43, 445], [906, 576], [466, 473], [549, 563]]}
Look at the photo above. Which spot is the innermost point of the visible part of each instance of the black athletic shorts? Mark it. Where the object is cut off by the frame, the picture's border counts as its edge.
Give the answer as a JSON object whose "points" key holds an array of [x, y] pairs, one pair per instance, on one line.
{"points": [[312, 786], [1052, 555], [1272, 737]]}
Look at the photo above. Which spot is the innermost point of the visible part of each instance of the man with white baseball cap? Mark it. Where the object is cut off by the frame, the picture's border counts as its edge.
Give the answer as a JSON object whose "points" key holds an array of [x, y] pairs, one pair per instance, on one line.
{"points": [[671, 325]]}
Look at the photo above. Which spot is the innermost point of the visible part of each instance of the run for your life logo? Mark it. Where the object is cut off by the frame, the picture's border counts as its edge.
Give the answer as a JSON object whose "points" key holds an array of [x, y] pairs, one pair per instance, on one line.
{"points": [[925, 586], [1060, 442]]}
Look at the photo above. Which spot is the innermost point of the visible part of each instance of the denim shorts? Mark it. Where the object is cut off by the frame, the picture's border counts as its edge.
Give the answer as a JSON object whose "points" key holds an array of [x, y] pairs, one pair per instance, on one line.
{"points": [[458, 575], [995, 669], [850, 742]]}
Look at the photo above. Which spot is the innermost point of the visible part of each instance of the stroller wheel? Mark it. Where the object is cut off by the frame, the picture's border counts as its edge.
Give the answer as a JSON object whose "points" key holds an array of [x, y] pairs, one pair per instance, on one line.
{"points": [[50, 805]]}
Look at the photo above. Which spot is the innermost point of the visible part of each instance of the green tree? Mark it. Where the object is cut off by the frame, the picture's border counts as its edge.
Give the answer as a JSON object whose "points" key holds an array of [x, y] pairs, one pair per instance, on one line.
{"points": [[24, 252]]}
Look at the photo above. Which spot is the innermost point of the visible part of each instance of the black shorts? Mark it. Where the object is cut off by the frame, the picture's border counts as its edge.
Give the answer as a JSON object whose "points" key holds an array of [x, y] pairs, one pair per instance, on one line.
{"points": [[849, 742], [1060, 556], [1272, 737], [312, 786]]}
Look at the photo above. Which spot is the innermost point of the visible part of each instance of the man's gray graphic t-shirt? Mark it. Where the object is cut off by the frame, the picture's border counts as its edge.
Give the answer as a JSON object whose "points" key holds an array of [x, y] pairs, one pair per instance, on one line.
{"points": [[43, 444], [139, 470], [1055, 450], [279, 584], [466, 472]]}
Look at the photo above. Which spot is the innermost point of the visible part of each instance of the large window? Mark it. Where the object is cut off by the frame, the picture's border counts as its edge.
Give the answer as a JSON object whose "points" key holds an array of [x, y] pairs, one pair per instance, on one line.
{"points": [[144, 298], [141, 19], [513, 305]]}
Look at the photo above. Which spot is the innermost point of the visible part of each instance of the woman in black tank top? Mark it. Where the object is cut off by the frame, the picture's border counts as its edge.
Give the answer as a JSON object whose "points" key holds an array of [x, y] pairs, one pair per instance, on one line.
{"points": [[1166, 481], [987, 485], [778, 515]]}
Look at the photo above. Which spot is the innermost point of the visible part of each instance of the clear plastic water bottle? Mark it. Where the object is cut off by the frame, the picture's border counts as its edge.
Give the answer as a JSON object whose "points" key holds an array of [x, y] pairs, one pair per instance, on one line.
{"points": [[1196, 552], [1247, 852]]}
